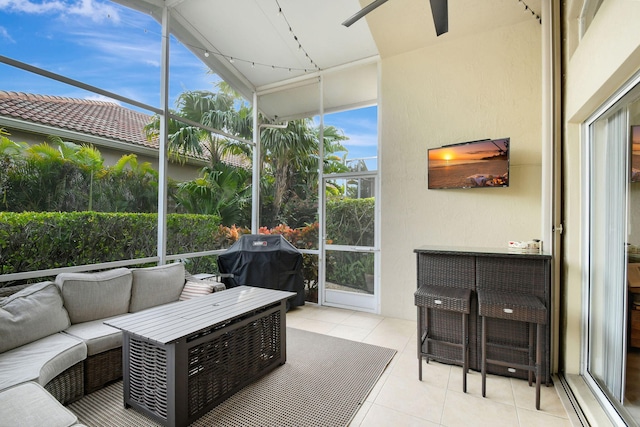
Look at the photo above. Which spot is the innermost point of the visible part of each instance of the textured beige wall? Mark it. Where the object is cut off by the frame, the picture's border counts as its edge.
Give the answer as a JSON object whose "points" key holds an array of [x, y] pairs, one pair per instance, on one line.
{"points": [[487, 86], [571, 293], [607, 55]]}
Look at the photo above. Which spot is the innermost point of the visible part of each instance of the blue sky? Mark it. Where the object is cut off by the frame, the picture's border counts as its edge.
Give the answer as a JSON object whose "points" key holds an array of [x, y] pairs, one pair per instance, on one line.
{"points": [[117, 49]]}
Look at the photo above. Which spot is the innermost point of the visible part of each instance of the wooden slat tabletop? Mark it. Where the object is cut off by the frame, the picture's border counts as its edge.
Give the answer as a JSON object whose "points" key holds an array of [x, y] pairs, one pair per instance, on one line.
{"points": [[170, 322]]}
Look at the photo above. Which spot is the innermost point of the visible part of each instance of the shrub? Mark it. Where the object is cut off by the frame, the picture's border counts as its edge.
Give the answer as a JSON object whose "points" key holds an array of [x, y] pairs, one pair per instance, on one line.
{"points": [[351, 221], [32, 241], [42, 240]]}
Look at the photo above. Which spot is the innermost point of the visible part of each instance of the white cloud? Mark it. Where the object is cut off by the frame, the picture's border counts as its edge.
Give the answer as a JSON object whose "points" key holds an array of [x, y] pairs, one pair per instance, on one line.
{"points": [[118, 47], [153, 63], [117, 50], [4, 35], [28, 6], [102, 98], [361, 140], [353, 121], [94, 10]]}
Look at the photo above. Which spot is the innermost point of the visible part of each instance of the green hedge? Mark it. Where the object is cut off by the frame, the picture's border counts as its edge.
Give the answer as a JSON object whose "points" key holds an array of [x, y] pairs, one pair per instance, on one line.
{"points": [[36, 241]]}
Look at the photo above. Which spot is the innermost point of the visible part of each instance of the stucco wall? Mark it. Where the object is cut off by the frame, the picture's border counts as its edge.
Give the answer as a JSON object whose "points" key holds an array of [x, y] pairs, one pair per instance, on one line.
{"points": [[487, 86]]}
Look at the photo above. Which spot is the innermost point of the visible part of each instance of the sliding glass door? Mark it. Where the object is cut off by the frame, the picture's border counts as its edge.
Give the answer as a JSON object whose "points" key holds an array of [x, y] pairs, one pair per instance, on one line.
{"points": [[608, 232], [612, 297]]}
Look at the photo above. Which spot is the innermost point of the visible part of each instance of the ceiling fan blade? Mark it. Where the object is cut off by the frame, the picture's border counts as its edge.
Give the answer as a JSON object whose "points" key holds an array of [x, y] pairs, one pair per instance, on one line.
{"points": [[440, 12], [362, 12]]}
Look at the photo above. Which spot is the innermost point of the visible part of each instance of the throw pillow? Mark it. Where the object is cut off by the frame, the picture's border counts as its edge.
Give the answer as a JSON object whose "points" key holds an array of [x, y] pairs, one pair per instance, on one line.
{"points": [[93, 296], [195, 289], [154, 286], [30, 314]]}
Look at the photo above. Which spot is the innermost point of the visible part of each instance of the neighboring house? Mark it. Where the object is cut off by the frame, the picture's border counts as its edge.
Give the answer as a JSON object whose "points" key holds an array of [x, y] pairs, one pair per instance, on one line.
{"points": [[114, 130]]}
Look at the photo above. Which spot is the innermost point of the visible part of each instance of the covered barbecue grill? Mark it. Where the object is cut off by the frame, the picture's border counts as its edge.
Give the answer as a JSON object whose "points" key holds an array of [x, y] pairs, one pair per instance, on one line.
{"points": [[264, 261]]}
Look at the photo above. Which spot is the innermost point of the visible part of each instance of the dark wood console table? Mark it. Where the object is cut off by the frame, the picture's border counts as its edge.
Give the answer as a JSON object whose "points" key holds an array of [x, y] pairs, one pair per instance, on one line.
{"points": [[480, 269]]}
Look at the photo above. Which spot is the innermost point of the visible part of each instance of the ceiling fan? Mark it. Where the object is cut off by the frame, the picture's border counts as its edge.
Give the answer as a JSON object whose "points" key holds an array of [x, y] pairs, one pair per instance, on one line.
{"points": [[439, 11]]}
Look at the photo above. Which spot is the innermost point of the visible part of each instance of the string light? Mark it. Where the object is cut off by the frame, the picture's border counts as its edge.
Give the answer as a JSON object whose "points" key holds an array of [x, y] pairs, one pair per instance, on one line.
{"points": [[533, 13], [306, 54], [295, 37], [253, 64], [233, 59]]}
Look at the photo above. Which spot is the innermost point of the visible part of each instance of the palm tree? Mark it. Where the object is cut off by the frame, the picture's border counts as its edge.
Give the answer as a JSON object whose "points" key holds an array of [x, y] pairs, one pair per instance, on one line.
{"points": [[291, 156], [222, 190], [87, 157], [46, 181], [220, 110], [10, 160], [129, 186], [289, 164]]}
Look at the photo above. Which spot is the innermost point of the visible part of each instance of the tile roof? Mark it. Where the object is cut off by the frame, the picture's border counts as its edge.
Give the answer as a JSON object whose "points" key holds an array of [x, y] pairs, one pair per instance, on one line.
{"points": [[99, 118]]}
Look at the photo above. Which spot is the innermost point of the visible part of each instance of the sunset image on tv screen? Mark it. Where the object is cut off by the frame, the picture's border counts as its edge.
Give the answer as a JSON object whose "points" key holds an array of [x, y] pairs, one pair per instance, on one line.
{"points": [[474, 164]]}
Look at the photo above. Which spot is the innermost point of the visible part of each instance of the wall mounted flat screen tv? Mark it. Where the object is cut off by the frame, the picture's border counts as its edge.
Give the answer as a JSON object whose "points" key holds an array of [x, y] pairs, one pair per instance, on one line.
{"points": [[483, 163]]}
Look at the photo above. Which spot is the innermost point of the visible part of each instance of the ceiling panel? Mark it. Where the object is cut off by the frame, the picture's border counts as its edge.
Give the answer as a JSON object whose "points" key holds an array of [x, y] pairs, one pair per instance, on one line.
{"points": [[404, 25], [342, 88], [255, 48]]}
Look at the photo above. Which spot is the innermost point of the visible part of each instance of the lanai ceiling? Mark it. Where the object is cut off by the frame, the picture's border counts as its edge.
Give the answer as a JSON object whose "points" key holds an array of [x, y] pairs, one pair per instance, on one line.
{"points": [[280, 48]]}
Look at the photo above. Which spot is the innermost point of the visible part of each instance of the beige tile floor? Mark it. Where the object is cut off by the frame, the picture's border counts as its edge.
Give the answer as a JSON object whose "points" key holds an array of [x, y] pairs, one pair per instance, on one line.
{"points": [[399, 399]]}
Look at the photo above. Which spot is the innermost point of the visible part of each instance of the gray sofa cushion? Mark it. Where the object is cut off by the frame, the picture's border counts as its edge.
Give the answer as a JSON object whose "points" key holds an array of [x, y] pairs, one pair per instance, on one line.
{"points": [[96, 335], [29, 404], [154, 286], [41, 361], [93, 296], [30, 314]]}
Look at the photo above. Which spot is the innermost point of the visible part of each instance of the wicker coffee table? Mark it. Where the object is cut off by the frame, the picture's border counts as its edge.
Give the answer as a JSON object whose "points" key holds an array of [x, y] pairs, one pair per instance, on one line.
{"points": [[184, 358]]}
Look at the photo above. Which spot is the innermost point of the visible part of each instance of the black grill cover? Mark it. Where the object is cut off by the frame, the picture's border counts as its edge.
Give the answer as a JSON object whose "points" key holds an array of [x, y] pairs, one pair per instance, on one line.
{"points": [[264, 261]]}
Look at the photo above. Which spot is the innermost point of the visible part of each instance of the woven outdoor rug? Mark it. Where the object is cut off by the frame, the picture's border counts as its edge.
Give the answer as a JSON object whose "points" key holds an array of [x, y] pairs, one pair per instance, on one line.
{"points": [[323, 383]]}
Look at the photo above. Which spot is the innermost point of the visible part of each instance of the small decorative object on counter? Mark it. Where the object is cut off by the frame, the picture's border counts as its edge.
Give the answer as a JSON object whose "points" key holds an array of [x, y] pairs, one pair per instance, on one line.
{"points": [[531, 246]]}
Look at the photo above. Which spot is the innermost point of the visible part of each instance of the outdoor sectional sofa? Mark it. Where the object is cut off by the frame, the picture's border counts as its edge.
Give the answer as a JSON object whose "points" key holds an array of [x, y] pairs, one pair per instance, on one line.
{"points": [[53, 333]]}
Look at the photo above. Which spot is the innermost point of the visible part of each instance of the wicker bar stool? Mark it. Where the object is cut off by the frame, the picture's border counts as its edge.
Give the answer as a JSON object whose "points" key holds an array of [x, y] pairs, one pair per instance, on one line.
{"points": [[515, 307], [443, 298]]}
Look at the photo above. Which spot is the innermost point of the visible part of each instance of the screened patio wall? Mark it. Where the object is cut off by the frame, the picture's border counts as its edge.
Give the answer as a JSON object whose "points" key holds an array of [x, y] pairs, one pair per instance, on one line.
{"points": [[361, 77]]}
